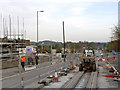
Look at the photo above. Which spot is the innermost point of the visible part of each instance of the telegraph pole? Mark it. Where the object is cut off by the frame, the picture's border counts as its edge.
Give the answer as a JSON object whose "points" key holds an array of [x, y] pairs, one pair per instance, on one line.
{"points": [[64, 40]]}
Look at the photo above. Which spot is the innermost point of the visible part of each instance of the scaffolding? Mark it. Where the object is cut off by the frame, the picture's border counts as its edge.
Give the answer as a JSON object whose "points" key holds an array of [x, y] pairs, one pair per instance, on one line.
{"points": [[11, 42]]}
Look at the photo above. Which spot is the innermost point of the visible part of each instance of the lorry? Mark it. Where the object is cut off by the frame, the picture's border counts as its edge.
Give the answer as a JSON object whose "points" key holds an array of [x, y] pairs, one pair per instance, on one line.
{"points": [[87, 60]]}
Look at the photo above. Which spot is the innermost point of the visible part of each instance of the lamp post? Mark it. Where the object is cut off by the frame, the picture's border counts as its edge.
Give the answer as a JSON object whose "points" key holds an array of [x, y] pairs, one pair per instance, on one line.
{"points": [[37, 30], [37, 38]]}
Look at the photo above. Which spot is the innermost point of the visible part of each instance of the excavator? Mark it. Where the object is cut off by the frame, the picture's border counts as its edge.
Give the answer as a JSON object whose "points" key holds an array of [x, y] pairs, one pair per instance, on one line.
{"points": [[87, 60]]}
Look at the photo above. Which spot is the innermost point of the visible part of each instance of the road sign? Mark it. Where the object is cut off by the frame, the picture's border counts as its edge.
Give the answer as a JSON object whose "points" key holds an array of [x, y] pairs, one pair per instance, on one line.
{"points": [[29, 50]]}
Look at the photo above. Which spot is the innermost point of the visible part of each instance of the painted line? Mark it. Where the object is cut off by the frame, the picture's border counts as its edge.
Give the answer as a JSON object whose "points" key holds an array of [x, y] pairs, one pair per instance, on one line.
{"points": [[41, 75], [34, 78], [25, 72], [22, 73], [8, 77]]}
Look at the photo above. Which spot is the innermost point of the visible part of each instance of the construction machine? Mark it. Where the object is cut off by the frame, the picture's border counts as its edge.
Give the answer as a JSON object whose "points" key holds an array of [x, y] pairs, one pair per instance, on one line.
{"points": [[87, 60]]}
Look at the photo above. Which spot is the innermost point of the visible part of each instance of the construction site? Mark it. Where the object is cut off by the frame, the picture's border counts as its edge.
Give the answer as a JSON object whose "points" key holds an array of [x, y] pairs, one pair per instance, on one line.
{"points": [[64, 59]]}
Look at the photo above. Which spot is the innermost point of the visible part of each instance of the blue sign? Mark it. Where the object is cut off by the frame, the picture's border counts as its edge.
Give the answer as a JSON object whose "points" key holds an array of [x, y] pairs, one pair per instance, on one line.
{"points": [[113, 51], [28, 50]]}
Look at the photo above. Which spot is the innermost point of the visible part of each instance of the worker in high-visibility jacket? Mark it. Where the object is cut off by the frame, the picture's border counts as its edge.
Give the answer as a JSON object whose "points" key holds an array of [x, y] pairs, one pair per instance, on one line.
{"points": [[22, 62]]}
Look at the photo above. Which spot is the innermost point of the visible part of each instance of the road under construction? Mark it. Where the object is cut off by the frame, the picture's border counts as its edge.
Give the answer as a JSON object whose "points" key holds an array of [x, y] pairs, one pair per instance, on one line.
{"points": [[59, 72], [101, 78], [67, 76], [99, 71]]}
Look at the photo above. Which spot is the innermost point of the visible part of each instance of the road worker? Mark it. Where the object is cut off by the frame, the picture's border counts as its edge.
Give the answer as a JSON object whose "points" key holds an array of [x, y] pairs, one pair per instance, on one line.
{"points": [[36, 59], [23, 62]]}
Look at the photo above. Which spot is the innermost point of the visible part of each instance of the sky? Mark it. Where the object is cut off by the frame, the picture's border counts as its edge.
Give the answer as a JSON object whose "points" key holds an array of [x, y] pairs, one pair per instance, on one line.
{"points": [[85, 20]]}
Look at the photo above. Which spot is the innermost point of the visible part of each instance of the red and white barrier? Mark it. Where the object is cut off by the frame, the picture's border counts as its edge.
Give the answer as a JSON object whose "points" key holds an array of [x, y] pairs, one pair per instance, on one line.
{"points": [[22, 82]]}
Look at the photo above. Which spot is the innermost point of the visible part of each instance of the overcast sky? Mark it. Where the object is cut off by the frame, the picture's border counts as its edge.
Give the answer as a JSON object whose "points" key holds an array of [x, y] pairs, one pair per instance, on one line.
{"points": [[85, 20]]}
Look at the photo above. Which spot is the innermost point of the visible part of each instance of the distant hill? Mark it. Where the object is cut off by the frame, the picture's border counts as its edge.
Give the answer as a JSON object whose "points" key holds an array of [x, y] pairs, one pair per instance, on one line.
{"points": [[45, 42], [32, 43]]}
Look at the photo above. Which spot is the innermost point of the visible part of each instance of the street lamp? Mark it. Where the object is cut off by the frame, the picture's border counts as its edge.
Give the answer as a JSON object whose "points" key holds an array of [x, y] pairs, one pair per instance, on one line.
{"points": [[37, 30], [37, 36]]}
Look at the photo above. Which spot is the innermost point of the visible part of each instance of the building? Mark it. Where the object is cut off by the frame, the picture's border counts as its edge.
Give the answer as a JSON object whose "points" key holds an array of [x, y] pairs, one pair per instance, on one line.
{"points": [[10, 50]]}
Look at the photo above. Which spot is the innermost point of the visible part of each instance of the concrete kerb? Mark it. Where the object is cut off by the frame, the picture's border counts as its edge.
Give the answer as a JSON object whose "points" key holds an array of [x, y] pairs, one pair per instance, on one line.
{"points": [[41, 86], [73, 82]]}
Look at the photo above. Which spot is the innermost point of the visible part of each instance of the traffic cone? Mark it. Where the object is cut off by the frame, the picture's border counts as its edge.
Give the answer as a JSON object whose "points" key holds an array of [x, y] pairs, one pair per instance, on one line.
{"points": [[61, 69], [56, 76], [22, 83]]}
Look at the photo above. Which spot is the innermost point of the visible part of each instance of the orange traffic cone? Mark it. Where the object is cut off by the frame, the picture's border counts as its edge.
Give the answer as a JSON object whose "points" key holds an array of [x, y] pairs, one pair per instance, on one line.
{"points": [[56, 76]]}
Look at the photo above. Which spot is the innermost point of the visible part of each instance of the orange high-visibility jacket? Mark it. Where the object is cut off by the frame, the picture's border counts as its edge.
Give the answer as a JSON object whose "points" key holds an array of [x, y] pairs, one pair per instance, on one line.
{"points": [[22, 59]]}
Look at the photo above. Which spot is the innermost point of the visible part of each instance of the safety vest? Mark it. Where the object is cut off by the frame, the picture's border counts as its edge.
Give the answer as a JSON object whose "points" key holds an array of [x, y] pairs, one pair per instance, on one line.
{"points": [[22, 59]]}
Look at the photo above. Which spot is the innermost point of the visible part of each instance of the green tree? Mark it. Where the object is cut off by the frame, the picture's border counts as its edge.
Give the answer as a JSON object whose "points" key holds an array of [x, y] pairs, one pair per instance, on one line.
{"points": [[115, 40], [59, 49], [72, 47], [46, 48]]}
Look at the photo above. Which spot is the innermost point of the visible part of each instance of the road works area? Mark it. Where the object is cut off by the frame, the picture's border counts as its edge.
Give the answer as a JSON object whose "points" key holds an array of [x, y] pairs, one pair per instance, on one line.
{"points": [[73, 78], [59, 74]]}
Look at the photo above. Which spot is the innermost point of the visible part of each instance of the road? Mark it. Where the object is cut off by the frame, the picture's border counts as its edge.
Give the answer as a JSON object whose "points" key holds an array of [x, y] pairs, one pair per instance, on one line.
{"points": [[89, 80], [13, 71], [32, 76]]}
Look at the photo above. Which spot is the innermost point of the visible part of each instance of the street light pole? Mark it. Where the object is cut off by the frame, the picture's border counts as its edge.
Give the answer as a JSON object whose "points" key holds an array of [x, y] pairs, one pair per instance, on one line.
{"points": [[37, 33], [37, 30], [37, 38]]}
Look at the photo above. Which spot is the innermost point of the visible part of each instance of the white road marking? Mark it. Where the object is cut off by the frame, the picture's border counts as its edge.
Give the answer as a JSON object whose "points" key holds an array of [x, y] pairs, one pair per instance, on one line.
{"points": [[18, 74], [24, 73]]}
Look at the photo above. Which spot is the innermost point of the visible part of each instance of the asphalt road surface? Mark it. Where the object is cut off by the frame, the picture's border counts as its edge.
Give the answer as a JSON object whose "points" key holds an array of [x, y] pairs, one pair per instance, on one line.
{"points": [[32, 76]]}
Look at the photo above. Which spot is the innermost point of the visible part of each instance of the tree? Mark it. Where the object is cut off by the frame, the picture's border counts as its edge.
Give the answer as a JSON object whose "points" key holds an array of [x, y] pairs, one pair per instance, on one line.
{"points": [[115, 40], [71, 47], [46, 48], [59, 49]]}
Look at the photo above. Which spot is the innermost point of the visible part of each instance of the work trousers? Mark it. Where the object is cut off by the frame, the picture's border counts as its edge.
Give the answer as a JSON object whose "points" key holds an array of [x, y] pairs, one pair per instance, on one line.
{"points": [[23, 64]]}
